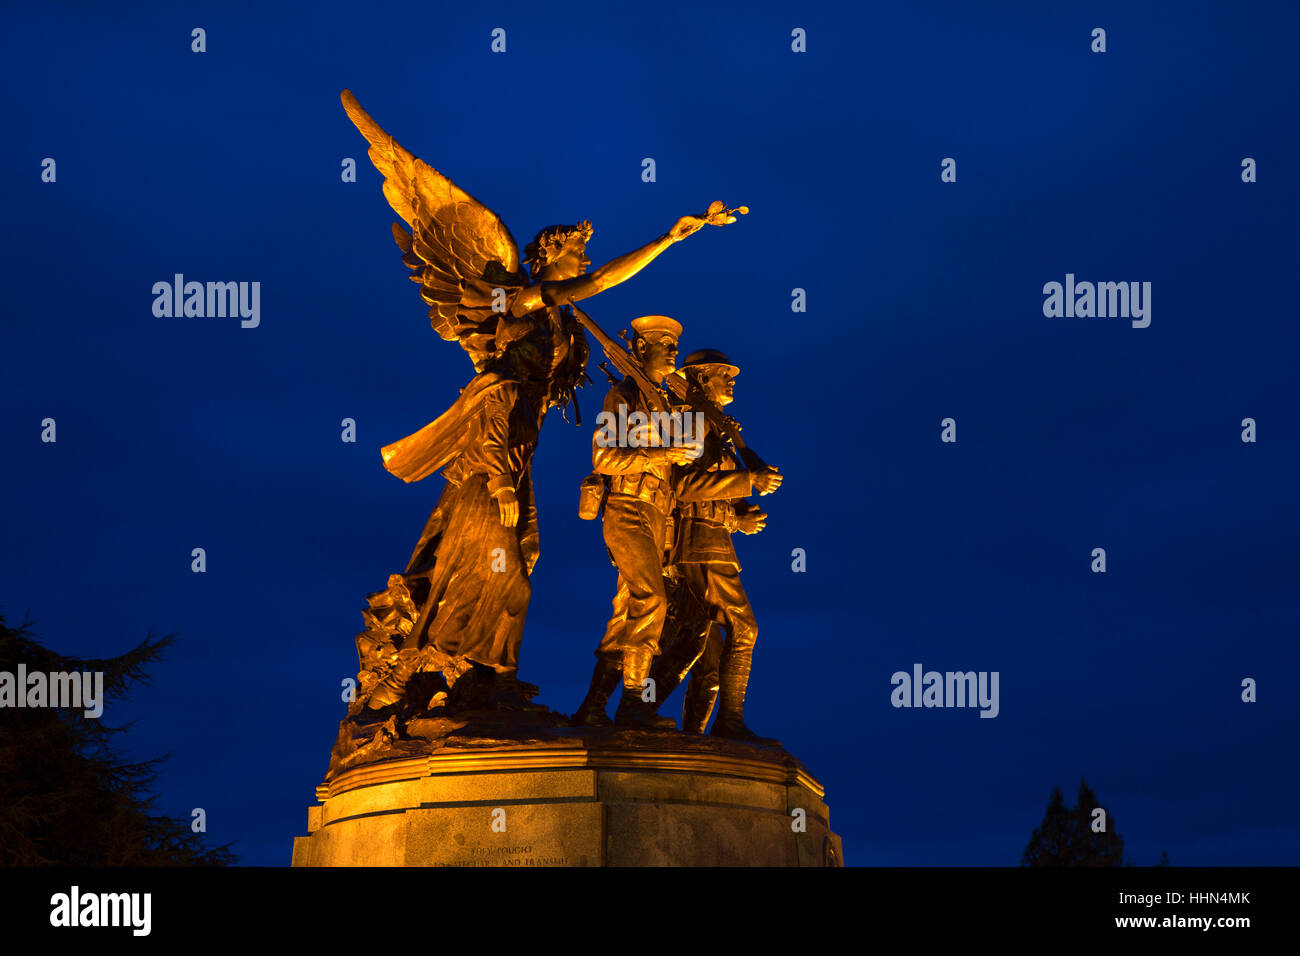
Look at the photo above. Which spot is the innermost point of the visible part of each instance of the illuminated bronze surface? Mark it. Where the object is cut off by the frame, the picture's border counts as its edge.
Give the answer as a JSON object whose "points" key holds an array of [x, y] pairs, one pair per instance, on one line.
{"points": [[443, 638]]}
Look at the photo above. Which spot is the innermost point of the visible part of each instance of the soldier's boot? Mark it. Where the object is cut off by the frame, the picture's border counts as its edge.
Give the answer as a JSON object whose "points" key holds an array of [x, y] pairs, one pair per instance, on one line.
{"points": [[604, 679], [734, 680], [632, 710], [698, 707]]}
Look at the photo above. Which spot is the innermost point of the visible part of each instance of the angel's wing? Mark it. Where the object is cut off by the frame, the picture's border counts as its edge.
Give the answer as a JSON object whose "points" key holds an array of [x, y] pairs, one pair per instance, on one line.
{"points": [[459, 251]]}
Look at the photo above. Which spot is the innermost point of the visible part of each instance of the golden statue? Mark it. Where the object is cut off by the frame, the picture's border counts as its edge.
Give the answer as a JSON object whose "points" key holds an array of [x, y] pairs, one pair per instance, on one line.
{"points": [[457, 611], [709, 596], [694, 488]]}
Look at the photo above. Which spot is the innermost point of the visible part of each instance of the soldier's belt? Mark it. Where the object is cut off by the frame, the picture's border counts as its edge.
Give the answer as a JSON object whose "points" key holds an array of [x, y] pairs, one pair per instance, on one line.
{"points": [[721, 511], [647, 486]]}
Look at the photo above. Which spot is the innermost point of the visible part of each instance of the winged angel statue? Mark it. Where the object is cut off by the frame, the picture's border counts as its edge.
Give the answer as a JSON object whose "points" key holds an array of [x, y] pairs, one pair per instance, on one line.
{"points": [[447, 631]]}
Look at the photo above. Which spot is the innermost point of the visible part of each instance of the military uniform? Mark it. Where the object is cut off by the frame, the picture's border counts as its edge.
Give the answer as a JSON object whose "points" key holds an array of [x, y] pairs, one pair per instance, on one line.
{"points": [[710, 596], [639, 501], [643, 489]]}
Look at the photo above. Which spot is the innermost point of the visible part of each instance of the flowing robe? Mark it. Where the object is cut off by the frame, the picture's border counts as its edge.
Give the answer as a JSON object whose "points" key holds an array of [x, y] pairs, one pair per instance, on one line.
{"points": [[477, 569]]}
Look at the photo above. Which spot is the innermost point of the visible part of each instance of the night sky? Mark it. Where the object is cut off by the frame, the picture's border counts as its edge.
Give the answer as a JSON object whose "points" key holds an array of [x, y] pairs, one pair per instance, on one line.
{"points": [[924, 301]]}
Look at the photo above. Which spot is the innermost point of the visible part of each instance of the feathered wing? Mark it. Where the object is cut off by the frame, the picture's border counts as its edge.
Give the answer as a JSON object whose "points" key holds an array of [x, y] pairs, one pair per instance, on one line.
{"points": [[459, 251]]}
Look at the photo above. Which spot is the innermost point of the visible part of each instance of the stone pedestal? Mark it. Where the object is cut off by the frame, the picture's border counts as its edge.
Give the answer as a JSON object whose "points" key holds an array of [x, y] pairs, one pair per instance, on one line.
{"points": [[593, 798]]}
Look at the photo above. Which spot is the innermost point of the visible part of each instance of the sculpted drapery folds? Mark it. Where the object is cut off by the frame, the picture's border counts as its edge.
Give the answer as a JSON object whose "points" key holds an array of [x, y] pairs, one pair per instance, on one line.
{"points": [[459, 607]]}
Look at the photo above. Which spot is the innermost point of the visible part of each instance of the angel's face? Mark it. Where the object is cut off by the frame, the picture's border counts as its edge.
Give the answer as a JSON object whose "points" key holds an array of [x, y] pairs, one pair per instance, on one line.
{"points": [[570, 263]]}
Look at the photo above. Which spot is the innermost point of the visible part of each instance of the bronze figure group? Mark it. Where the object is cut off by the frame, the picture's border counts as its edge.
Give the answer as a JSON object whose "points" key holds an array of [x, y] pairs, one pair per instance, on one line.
{"points": [[671, 479]]}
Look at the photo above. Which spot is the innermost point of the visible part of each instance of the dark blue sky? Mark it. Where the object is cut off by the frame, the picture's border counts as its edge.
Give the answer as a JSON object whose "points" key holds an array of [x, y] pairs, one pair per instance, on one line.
{"points": [[924, 301]]}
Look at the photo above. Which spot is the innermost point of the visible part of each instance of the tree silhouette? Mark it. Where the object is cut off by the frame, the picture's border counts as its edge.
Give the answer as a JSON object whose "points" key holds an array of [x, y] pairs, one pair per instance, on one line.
{"points": [[1066, 836], [67, 796]]}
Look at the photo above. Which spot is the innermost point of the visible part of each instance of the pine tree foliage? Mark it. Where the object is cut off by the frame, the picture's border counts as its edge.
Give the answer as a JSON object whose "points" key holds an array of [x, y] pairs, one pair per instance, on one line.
{"points": [[1067, 837], [68, 797]]}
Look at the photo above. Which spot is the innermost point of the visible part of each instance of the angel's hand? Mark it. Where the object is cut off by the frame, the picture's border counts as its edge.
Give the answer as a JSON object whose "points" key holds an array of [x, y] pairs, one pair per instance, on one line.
{"points": [[686, 226], [508, 506]]}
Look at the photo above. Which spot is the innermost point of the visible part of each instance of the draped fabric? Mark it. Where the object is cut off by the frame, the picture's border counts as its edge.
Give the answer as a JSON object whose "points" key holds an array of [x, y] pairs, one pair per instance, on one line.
{"points": [[476, 567]]}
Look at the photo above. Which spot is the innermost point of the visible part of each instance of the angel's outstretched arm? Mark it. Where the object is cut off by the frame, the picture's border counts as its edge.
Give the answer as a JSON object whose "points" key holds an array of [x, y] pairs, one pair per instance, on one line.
{"points": [[610, 274]]}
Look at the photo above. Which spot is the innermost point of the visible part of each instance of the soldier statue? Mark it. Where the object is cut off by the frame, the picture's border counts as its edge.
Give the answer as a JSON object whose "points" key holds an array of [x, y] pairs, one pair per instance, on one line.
{"points": [[709, 595], [645, 481]]}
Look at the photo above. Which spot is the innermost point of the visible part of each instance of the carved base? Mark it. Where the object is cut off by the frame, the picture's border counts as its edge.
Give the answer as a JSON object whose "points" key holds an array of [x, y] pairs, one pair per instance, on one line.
{"points": [[605, 797]]}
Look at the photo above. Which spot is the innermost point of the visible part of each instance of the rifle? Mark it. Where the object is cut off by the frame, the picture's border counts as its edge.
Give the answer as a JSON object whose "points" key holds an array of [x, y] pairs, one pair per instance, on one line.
{"points": [[626, 363], [720, 421]]}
